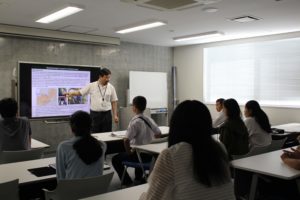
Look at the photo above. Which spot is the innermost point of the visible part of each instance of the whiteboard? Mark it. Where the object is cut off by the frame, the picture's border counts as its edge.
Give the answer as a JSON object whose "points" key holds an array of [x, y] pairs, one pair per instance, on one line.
{"points": [[151, 85]]}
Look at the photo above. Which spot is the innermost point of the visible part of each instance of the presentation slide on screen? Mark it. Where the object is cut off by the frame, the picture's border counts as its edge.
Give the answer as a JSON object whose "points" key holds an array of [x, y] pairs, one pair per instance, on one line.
{"points": [[48, 92]]}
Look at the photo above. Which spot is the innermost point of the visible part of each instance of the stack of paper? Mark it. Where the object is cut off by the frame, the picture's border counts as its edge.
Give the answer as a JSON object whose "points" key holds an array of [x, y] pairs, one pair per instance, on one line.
{"points": [[120, 134]]}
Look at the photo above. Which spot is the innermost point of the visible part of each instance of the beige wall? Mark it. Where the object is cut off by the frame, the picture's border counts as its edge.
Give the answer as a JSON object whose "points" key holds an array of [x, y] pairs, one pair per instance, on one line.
{"points": [[189, 63]]}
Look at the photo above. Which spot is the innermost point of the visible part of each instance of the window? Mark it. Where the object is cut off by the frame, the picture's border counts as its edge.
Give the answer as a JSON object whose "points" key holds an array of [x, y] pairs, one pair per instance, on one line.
{"points": [[268, 72]]}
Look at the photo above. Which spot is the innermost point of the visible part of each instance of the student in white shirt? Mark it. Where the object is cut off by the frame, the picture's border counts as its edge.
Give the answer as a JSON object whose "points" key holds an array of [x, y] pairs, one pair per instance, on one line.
{"points": [[258, 125], [141, 130], [259, 130], [195, 166], [81, 156], [103, 101], [221, 117]]}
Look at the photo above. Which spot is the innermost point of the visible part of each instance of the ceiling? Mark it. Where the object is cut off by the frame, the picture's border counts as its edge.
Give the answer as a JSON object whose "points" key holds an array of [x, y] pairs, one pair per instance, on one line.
{"points": [[103, 17]]}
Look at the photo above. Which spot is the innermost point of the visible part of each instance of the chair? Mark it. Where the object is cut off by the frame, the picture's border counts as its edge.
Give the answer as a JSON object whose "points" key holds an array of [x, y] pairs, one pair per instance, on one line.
{"points": [[79, 188], [144, 166], [254, 151], [10, 190], [277, 144], [23, 155]]}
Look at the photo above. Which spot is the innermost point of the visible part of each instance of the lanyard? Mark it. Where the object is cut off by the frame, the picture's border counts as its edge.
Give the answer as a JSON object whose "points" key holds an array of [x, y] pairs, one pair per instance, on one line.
{"points": [[102, 95]]}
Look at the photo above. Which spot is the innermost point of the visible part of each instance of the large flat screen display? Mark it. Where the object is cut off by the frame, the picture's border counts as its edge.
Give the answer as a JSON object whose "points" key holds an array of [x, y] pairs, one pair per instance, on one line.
{"points": [[42, 89]]}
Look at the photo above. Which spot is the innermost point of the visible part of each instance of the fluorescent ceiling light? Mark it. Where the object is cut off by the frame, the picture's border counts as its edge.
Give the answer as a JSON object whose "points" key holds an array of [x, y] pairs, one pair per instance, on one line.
{"points": [[145, 25], [70, 10], [198, 36]]}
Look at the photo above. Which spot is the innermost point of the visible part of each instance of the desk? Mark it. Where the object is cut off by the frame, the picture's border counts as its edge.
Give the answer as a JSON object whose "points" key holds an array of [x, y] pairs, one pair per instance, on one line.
{"points": [[19, 170], [37, 144], [115, 144], [291, 132], [289, 128], [269, 164], [132, 193], [152, 148], [107, 136], [159, 147]]}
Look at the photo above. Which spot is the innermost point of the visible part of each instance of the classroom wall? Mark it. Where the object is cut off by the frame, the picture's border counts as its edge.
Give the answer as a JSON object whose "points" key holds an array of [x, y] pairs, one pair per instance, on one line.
{"points": [[189, 62], [119, 59]]}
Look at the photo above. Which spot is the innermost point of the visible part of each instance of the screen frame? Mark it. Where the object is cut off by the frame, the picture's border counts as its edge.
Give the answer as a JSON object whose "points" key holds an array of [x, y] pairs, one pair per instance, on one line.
{"points": [[24, 75]]}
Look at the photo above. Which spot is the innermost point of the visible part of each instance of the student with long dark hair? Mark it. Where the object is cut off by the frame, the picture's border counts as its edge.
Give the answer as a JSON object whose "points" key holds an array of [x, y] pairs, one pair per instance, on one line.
{"points": [[194, 166], [233, 133], [81, 156], [258, 125]]}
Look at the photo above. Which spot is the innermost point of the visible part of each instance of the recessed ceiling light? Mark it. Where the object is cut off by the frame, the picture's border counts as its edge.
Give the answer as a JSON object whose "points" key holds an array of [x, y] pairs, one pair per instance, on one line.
{"points": [[70, 10], [140, 26], [244, 19], [198, 36]]}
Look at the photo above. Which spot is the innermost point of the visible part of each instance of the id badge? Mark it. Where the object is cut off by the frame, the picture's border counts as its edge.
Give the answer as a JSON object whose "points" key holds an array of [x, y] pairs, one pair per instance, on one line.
{"points": [[103, 104]]}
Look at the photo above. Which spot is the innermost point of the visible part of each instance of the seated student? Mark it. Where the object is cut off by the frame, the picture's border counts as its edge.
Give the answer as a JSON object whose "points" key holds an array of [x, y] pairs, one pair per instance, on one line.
{"points": [[141, 130], [221, 117], [195, 166], [15, 132], [233, 133], [258, 125], [82, 156]]}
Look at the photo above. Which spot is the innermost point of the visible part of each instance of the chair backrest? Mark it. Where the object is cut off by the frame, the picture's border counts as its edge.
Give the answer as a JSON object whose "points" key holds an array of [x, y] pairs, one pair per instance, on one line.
{"points": [[80, 188], [254, 151], [17, 156], [10, 190], [258, 150], [277, 144]]}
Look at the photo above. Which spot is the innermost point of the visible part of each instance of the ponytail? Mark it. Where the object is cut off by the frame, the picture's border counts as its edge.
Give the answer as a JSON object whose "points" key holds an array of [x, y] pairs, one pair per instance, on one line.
{"points": [[87, 147]]}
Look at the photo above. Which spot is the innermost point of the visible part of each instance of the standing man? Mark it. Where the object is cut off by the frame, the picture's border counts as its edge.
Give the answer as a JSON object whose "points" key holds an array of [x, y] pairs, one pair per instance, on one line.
{"points": [[103, 102], [221, 117]]}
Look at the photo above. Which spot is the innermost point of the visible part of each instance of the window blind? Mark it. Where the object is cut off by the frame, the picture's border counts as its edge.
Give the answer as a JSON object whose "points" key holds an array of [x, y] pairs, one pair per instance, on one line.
{"points": [[268, 72]]}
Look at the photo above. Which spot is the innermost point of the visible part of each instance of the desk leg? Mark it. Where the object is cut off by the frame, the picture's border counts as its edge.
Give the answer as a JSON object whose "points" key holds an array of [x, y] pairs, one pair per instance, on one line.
{"points": [[253, 186]]}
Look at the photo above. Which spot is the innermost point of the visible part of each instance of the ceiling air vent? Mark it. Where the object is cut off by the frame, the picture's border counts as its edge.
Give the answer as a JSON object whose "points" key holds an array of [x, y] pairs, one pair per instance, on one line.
{"points": [[170, 4], [245, 19]]}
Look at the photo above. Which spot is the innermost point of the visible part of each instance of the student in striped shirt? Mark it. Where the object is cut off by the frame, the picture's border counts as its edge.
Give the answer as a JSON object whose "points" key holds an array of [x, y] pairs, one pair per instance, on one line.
{"points": [[195, 166]]}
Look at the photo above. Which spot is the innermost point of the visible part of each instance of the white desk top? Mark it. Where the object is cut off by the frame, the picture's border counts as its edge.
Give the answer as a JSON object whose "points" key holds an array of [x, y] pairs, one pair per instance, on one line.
{"points": [[268, 164], [132, 193], [38, 144], [153, 148], [107, 137], [289, 128], [159, 147], [18, 170]]}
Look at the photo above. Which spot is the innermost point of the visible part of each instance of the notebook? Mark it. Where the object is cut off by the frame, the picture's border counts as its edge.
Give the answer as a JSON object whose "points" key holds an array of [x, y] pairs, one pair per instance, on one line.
{"points": [[119, 134], [42, 171]]}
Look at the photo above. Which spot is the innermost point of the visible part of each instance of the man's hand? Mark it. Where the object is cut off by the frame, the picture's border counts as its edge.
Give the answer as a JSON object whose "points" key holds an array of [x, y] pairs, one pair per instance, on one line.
{"points": [[116, 119]]}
